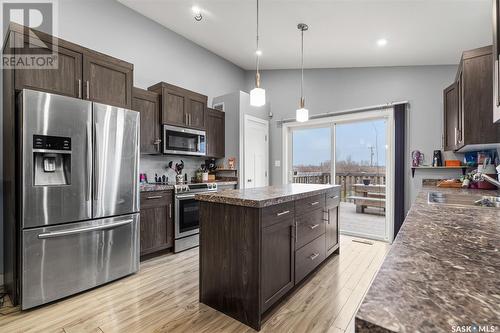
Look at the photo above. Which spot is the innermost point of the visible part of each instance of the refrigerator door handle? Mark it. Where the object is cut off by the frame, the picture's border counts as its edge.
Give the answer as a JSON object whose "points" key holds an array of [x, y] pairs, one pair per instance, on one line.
{"points": [[88, 188], [96, 166], [62, 233]]}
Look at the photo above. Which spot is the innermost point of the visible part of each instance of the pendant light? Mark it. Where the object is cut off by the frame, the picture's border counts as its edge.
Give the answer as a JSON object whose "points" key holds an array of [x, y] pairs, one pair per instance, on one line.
{"points": [[302, 114], [257, 94]]}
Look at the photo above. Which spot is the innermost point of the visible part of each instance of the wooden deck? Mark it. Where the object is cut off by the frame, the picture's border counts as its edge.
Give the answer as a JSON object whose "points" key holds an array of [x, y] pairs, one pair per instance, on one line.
{"points": [[163, 297], [370, 224]]}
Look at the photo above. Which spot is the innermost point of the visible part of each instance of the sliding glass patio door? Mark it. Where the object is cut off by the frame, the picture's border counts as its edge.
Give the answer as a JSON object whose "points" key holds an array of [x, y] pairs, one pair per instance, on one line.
{"points": [[361, 161], [353, 151], [311, 155]]}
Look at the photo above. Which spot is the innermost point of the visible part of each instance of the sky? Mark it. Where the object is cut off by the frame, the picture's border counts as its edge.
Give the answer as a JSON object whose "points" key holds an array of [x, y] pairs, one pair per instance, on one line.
{"points": [[312, 146]]}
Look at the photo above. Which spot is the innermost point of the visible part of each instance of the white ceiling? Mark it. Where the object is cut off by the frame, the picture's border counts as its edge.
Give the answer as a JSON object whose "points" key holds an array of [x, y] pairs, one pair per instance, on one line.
{"points": [[341, 33]]}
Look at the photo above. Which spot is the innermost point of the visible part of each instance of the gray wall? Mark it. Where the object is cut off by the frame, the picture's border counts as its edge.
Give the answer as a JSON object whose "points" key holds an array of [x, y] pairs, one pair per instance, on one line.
{"points": [[157, 53], [329, 90]]}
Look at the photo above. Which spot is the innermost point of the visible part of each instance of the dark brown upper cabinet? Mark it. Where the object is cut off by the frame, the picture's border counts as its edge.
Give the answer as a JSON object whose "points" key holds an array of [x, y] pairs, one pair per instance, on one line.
{"points": [[215, 128], [66, 79], [451, 104], [471, 99], [107, 80], [80, 72], [181, 107], [147, 103]]}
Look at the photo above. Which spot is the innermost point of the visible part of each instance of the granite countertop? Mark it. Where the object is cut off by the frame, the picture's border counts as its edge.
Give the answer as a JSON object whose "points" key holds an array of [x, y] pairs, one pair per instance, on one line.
{"points": [[265, 196], [443, 269], [167, 187]]}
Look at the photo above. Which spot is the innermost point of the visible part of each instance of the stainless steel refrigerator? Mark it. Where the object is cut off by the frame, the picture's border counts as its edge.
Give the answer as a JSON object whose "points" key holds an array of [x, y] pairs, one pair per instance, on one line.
{"points": [[79, 219]]}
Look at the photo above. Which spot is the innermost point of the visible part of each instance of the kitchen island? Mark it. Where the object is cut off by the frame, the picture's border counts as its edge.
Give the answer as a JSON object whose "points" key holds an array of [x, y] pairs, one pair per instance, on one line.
{"points": [[442, 272], [256, 245]]}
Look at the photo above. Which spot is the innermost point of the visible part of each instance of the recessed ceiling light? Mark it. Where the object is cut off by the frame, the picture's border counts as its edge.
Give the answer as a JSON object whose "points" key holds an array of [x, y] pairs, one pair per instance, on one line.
{"points": [[258, 52], [382, 42], [197, 13]]}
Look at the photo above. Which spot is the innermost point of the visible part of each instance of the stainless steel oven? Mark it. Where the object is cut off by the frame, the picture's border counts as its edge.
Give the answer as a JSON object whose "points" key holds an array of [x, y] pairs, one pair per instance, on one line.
{"points": [[184, 141], [187, 214]]}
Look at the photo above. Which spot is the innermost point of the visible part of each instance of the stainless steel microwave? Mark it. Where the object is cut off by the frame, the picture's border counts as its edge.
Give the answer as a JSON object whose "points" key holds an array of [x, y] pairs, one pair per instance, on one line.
{"points": [[184, 141]]}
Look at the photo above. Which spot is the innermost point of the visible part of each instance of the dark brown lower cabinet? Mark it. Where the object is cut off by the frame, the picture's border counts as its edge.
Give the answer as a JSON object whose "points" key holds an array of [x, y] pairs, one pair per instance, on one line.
{"points": [[332, 222], [251, 258], [157, 228], [278, 253]]}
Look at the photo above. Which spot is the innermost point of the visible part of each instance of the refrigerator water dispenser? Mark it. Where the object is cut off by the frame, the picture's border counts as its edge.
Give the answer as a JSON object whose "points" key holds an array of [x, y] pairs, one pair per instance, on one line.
{"points": [[52, 160]]}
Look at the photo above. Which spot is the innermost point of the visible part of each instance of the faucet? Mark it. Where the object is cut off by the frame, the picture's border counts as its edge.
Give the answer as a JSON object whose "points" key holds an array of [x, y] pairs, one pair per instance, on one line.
{"points": [[481, 176]]}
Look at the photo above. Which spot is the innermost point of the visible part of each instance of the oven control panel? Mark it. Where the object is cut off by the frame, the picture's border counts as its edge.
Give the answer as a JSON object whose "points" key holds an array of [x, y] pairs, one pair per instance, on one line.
{"points": [[203, 187]]}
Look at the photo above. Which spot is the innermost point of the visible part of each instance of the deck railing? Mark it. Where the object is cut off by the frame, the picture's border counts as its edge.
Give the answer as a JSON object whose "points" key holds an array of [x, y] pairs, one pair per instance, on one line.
{"points": [[344, 179]]}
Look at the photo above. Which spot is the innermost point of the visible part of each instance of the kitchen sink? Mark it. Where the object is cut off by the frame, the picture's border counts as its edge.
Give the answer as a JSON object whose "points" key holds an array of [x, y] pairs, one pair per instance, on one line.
{"points": [[440, 198]]}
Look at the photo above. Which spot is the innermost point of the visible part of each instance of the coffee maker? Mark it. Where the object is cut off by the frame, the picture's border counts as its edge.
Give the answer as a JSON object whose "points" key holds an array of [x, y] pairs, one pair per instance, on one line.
{"points": [[437, 159]]}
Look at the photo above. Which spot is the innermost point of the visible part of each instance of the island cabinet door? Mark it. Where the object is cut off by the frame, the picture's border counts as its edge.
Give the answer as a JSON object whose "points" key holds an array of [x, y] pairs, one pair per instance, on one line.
{"points": [[278, 260], [332, 230]]}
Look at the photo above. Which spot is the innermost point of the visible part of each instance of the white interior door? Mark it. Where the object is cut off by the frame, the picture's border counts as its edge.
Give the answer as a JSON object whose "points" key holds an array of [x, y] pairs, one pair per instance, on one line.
{"points": [[256, 153]]}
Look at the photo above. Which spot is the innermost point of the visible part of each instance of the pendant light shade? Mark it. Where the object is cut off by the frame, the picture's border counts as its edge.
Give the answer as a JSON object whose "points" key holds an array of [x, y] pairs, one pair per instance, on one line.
{"points": [[302, 114], [257, 97], [257, 94]]}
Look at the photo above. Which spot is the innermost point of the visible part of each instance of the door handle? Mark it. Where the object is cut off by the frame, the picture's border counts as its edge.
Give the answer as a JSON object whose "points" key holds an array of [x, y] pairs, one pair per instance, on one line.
{"points": [[79, 88], [89, 164], [157, 144], [155, 197], [96, 166], [249, 180], [54, 234], [296, 229], [283, 213], [314, 256], [314, 203], [313, 226], [88, 90]]}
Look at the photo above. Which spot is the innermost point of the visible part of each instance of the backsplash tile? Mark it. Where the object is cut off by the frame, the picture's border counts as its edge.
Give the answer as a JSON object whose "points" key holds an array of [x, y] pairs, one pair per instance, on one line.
{"points": [[151, 164]]}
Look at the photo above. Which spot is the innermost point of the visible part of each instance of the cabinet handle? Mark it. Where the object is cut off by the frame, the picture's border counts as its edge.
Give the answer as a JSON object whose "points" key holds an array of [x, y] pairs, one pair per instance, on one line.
{"points": [[328, 216], [456, 135], [79, 88], [157, 144], [186, 119], [88, 90], [313, 226], [154, 197], [314, 256], [170, 211], [314, 203], [296, 229], [283, 213], [334, 197]]}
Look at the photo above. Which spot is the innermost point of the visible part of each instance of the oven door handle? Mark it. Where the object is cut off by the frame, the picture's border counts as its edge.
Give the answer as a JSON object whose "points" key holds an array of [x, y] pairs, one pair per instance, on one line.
{"points": [[188, 196]]}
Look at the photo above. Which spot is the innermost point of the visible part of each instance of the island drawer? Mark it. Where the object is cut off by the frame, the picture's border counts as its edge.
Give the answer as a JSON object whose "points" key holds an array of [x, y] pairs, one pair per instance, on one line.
{"points": [[306, 205], [309, 227], [155, 199], [277, 213], [333, 198], [309, 257]]}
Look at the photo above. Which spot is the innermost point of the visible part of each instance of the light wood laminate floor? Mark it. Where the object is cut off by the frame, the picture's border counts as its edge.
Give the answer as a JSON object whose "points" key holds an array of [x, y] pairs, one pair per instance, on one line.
{"points": [[163, 297]]}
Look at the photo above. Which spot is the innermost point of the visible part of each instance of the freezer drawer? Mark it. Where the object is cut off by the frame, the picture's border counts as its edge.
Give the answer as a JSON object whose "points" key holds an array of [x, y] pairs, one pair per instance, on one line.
{"points": [[62, 260]]}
